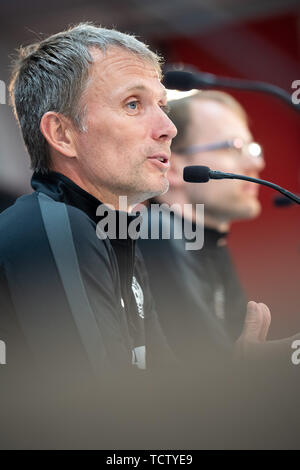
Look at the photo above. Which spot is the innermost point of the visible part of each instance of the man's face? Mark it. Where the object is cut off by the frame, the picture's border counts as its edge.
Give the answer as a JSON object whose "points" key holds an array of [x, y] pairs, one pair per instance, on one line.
{"points": [[225, 200], [128, 132]]}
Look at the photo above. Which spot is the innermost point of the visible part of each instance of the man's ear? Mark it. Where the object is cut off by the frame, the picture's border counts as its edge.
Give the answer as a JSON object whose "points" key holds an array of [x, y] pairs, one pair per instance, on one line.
{"points": [[58, 131], [175, 173]]}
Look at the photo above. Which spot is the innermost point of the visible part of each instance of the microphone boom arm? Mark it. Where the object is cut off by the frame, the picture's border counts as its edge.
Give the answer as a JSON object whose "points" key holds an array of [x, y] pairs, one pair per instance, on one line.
{"points": [[220, 175], [252, 85]]}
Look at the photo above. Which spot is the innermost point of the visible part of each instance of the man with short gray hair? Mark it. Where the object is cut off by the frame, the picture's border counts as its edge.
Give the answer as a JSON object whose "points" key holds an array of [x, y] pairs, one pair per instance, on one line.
{"points": [[91, 109], [75, 297]]}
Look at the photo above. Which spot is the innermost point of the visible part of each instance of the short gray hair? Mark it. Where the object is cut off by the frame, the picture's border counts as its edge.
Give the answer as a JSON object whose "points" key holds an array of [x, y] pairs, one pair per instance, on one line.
{"points": [[51, 75]]}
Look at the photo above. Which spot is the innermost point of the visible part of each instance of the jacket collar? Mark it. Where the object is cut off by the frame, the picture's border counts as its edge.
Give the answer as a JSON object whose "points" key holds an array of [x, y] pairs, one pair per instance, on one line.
{"points": [[60, 188]]}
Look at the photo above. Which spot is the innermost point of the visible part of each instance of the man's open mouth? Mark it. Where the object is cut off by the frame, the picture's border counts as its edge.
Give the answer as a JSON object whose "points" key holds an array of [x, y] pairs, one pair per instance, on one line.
{"points": [[160, 160]]}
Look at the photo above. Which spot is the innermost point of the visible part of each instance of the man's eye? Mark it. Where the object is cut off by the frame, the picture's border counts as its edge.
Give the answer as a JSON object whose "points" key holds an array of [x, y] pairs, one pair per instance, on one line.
{"points": [[133, 105]]}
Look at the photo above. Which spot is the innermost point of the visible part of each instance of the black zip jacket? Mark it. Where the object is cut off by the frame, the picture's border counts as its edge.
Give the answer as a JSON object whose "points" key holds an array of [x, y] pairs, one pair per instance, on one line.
{"points": [[36, 321]]}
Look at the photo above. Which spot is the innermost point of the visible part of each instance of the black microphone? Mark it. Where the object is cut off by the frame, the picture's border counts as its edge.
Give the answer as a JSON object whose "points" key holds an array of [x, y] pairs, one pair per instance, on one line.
{"points": [[202, 174], [184, 80]]}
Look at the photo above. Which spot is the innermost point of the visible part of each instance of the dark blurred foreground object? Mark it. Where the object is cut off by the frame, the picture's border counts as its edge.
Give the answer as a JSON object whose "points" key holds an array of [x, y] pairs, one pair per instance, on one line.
{"points": [[282, 201], [228, 408]]}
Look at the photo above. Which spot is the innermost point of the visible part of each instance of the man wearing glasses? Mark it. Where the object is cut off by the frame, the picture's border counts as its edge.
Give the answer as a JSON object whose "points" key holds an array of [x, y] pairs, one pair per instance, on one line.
{"points": [[202, 304]]}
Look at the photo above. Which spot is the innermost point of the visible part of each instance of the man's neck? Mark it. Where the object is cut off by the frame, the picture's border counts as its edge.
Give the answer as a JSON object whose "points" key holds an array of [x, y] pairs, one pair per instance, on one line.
{"points": [[221, 226], [122, 203]]}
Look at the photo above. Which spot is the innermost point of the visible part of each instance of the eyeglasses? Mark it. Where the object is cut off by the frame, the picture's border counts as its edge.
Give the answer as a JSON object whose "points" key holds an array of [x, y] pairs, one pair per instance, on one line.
{"points": [[249, 149]]}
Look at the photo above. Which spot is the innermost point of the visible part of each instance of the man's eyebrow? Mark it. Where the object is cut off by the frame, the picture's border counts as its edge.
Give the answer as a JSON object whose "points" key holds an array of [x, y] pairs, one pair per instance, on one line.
{"points": [[143, 88], [136, 87]]}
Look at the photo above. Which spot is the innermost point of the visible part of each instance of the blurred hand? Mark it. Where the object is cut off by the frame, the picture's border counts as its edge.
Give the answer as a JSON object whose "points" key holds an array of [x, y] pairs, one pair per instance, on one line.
{"points": [[256, 327], [279, 356]]}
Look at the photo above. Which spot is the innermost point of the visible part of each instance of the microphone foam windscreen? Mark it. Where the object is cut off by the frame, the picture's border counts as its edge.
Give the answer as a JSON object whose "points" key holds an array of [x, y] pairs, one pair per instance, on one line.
{"points": [[179, 80], [196, 174]]}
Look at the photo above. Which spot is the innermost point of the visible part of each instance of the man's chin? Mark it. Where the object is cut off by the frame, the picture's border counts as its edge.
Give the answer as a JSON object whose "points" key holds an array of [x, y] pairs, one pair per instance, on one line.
{"points": [[145, 193], [250, 211], [158, 189], [165, 187]]}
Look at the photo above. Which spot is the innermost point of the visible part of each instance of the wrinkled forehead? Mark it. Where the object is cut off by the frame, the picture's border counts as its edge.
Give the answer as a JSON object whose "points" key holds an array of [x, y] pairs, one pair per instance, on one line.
{"points": [[118, 69], [119, 65]]}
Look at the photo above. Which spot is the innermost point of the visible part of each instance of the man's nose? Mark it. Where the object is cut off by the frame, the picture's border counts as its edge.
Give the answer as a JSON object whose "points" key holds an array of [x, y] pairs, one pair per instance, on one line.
{"points": [[255, 164], [164, 128]]}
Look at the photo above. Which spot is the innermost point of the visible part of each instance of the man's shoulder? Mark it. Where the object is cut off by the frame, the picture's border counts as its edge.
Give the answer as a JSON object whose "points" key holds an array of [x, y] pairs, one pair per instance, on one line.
{"points": [[22, 227], [24, 216], [17, 220], [27, 202]]}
